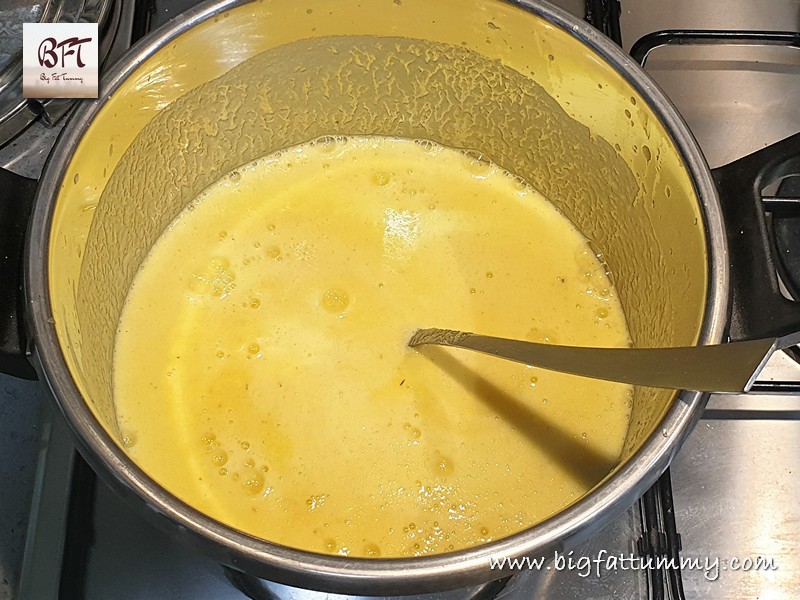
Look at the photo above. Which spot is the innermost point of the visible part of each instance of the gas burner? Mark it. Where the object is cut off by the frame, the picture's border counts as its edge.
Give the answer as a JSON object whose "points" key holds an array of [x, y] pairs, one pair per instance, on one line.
{"points": [[28, 128], [17, 113]]}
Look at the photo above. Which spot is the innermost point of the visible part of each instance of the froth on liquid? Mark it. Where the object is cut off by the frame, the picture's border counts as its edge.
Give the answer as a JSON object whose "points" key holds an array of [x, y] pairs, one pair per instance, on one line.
{"points": [[261, 368]]}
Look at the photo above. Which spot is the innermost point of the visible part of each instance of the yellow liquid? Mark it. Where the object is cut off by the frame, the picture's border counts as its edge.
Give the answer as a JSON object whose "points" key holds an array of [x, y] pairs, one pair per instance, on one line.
{"points": [[261, 367]]}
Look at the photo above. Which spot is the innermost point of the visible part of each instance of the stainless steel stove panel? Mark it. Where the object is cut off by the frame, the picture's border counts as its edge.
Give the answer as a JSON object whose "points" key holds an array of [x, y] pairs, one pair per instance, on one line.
{"points": [[735, 100], [736, 491]]}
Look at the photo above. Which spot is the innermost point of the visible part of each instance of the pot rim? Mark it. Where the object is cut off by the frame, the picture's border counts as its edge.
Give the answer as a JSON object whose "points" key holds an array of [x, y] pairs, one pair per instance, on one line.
{"points": [[360, 575]]}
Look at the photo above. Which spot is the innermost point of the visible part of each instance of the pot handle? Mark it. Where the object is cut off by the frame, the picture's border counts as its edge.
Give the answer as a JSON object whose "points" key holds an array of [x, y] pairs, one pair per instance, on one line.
{"points": [[16, 203], [759, 309]]}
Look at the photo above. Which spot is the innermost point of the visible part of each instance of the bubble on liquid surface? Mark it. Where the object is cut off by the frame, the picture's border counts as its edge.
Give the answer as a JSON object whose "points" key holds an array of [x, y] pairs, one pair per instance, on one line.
{"points": [[381, 178], [444, 465], [335, 300], [253, 482], [372, 550], [478, 165]]}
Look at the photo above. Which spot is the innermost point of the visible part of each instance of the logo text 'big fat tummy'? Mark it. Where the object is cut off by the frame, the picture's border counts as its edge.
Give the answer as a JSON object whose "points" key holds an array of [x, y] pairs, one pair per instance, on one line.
{"points": [[59, 60]]}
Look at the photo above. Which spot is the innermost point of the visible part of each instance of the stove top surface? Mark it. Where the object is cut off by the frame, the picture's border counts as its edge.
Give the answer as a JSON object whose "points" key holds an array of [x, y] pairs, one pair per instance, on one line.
{"points": [[734, 482]]}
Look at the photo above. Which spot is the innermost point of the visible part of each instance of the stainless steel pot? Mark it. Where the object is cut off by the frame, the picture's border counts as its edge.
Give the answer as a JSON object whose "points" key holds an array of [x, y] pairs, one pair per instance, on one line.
{"points": [[541, 93]]}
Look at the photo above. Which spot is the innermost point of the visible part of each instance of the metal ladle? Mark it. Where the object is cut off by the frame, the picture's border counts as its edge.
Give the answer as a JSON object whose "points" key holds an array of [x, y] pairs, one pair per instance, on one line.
{"points": [[731, 367]]}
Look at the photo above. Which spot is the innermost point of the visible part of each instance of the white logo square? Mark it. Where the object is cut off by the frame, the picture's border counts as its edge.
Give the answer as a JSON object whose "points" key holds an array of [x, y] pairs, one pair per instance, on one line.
{"points": [[59, 60]]}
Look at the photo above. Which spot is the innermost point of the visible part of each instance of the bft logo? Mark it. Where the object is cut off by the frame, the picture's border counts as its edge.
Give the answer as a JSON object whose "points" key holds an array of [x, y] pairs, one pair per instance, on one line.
{"points": [[59, 60], [48, 57]]}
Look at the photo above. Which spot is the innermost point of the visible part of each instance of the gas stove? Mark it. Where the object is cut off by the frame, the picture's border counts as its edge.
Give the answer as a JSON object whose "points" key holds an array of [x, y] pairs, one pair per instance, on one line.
{"points": [[729, 499]]}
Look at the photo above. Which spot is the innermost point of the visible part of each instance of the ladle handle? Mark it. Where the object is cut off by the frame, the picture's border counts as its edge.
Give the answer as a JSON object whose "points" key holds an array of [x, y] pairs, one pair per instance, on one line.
{"points": [[16, 202], [722, 368], [759, 310]]}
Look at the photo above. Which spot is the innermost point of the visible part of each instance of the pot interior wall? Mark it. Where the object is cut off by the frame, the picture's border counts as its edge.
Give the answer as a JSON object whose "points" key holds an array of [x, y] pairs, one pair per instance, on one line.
{"points": [[488, 77]]}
